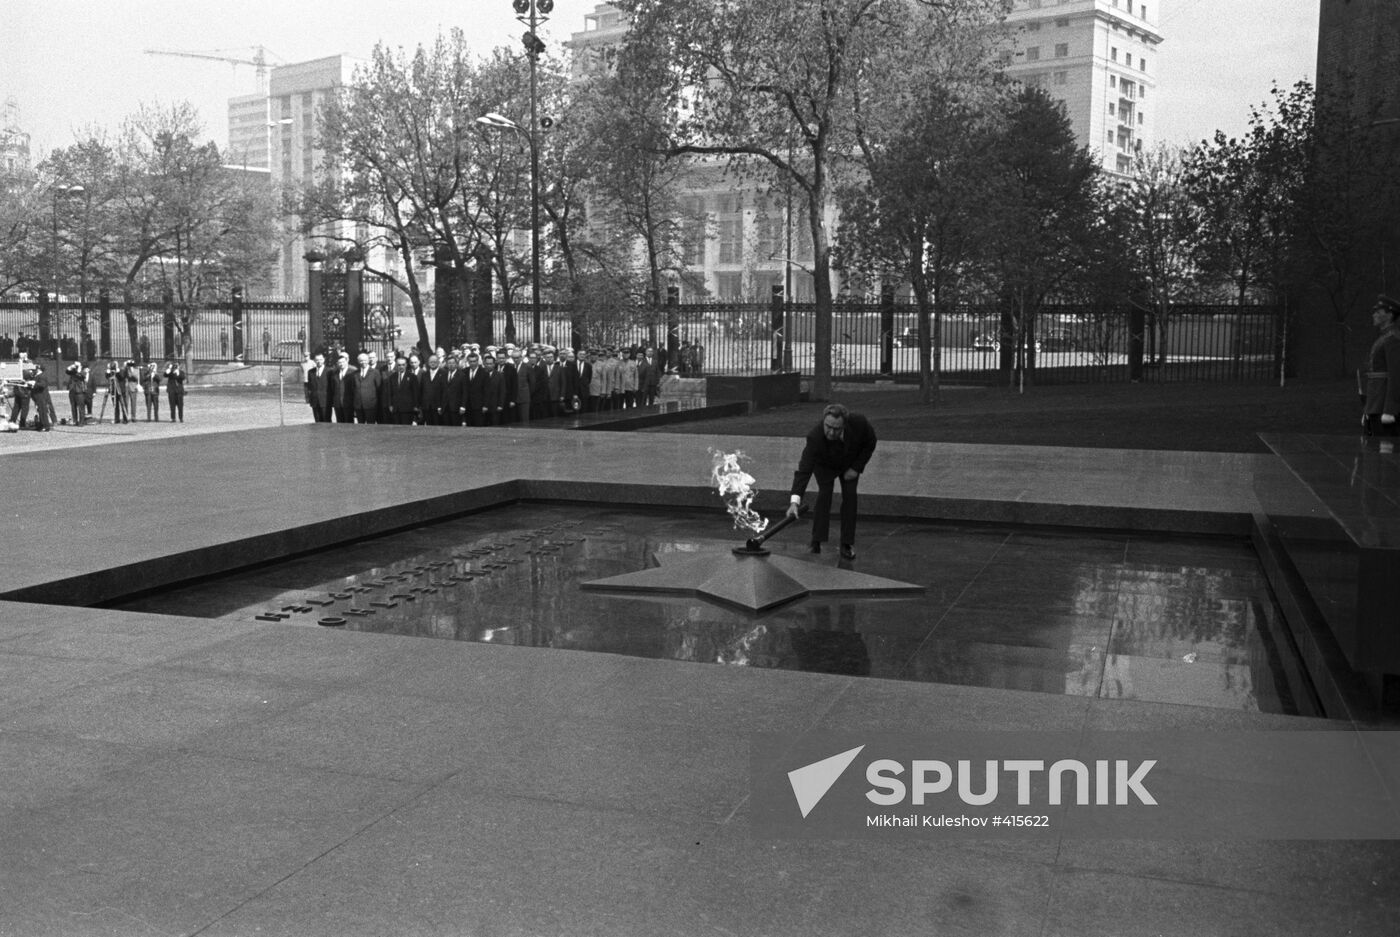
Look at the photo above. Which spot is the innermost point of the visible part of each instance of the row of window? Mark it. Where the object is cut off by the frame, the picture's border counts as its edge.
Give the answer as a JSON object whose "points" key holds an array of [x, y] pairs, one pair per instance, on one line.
{"points": [[1128, 5]]}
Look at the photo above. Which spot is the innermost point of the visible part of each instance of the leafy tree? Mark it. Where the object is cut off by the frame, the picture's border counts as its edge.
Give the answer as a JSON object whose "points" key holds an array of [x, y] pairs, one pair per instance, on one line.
{"points": [[20, 198], [1042, 217], [914, 211], [1247, 190], [398, 141], [745, 78]]}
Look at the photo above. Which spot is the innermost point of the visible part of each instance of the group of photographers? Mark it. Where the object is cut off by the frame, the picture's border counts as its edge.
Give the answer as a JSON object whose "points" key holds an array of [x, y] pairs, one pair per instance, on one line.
{"points": [[476, 386], [126, 383]]}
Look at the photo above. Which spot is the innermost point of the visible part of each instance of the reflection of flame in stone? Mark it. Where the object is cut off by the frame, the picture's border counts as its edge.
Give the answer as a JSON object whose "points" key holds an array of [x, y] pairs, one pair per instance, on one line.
{"points": [[736, 488]]}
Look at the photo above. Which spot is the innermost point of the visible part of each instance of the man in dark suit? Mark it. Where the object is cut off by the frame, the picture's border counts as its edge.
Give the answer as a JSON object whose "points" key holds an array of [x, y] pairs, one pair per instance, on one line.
{"points": [[343, 389], [578, 373], [454, 393], [366, 396], [837, 447], [318, 389], [497, 395], [478, 384], [401, 395], [432, 391]]}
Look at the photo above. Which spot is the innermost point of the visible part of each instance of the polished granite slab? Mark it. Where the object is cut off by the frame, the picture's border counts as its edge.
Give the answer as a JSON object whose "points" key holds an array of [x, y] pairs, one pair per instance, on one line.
{"points": [[176, 775], [218, 501], [1349, 559], [1126, 616]]}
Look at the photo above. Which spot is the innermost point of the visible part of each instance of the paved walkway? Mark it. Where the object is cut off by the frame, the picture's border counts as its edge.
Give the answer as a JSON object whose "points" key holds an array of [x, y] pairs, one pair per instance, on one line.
{"points": [[165, 775]]}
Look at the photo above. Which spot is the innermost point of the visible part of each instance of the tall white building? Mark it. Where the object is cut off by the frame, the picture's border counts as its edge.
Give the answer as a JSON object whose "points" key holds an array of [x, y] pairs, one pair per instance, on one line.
{"points": [[1100, 58], [280, 132], [14, 142]]}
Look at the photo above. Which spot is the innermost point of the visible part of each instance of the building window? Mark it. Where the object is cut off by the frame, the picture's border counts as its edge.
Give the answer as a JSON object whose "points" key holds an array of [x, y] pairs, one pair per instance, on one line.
{"points": [[1110, 108], [1033, 54], [1113, 81], [1033, 27], [730, 287], [731, 231], [1062, 78], [693, 232], [1142, 62], [768, 226], [1061, 23], [1061, 50], [1113, 53]]}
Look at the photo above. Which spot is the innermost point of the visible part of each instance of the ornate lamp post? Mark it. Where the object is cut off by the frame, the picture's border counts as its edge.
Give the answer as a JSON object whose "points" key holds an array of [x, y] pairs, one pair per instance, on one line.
{"points": [[533, 14]]}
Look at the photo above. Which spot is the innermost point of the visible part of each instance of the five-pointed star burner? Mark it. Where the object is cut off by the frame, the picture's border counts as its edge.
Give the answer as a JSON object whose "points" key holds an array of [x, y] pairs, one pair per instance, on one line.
{"points": [[751, 581]]}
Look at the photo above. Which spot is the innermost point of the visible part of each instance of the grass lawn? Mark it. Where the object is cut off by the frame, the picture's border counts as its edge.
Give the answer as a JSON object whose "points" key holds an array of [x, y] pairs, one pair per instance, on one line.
{"points": [[1216, 417]]}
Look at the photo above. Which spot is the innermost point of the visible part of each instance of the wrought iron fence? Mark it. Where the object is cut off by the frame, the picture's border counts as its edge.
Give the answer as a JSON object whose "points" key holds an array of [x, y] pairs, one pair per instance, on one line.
{"points": [[76, 329], [1064, 344]]}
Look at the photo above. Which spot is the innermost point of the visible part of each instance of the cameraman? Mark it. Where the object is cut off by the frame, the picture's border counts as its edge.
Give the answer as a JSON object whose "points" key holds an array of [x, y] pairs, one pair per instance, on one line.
{"points": [[116, 391]]}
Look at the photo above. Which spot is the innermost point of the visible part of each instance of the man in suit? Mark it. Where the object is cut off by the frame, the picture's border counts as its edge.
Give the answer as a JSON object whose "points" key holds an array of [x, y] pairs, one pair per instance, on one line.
{"points": [[343, 389], [318, 389], [497, 395], [509, 378], [401, 395], [839, 446], [454, 393], [478, 383], [432, 391], [578, 374], [367, 385]]}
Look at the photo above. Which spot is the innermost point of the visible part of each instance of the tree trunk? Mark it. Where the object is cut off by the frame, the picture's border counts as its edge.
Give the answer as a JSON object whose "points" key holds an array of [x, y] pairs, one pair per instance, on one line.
{"points": [[821, 285]]}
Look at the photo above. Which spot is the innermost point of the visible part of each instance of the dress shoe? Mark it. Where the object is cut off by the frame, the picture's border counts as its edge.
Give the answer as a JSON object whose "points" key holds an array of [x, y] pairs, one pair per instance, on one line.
{"points": [[815, 547], [848, 552]]}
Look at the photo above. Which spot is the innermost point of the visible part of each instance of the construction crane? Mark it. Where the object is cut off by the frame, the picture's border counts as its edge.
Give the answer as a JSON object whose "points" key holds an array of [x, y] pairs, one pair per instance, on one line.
{"points": [[258, 61]]}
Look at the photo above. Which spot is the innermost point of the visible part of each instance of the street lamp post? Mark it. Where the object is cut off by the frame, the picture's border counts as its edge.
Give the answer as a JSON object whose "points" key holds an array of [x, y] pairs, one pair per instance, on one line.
{"points": [[533, 14], [501, 122]]}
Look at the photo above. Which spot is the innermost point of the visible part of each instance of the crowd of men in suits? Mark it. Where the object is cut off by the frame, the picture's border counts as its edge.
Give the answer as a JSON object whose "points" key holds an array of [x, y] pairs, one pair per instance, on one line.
{"points": [[475, 386]]}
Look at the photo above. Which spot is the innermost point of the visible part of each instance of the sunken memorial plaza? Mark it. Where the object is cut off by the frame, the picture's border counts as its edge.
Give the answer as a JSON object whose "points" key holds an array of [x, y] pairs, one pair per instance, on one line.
{"points": [[319, 681]]}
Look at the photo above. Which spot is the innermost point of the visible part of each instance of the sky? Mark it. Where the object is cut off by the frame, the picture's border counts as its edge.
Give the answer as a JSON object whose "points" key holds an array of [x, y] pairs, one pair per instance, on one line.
{"points": [[75, 64]]}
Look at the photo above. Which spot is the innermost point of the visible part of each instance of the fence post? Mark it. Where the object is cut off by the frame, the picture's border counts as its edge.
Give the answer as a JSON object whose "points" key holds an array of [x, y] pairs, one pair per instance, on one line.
{"points": [[776, 305], [673, 328], [1136, 323], [167, 305], [236, 313], [104, 322], [886, 330]]}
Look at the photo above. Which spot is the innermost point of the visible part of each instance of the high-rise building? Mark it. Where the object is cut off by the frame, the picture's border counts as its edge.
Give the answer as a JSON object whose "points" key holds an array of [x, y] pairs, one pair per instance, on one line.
{"points": [[281, 132], [14, 142], [1099, 57]]}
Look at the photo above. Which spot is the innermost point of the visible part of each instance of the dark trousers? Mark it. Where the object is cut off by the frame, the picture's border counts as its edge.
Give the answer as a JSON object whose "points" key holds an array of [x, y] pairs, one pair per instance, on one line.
{"points": [[322, 412], [343, 414], [821, 516], [177, 409], [366, 416]]}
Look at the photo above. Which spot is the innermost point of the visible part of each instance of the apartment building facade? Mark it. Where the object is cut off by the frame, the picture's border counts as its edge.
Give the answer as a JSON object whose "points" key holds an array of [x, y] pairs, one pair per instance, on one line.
{"points": [[1099, 57]]}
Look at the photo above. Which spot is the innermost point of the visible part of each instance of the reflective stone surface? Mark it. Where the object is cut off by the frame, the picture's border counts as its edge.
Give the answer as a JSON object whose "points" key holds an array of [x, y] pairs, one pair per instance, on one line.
{"points": [[1117, 616]]}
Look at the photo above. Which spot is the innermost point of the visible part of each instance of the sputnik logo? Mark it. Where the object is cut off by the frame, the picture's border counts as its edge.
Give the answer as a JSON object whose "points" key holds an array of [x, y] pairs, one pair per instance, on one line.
{"points": [[811, 782]]}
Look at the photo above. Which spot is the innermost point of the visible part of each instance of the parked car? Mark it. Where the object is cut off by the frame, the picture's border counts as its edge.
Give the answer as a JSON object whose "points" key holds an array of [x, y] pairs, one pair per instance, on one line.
{"points": [[1060, 339], [985, 341], [909, 338]]}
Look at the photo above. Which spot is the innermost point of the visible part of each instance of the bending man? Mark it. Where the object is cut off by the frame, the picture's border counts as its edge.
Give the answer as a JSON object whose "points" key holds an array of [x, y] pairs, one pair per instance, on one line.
{"points": [[838, 447]]}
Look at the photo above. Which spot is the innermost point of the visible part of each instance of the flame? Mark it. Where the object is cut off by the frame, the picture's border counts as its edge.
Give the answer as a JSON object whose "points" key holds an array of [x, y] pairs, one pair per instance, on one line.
{"points": [[736, 488]]}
